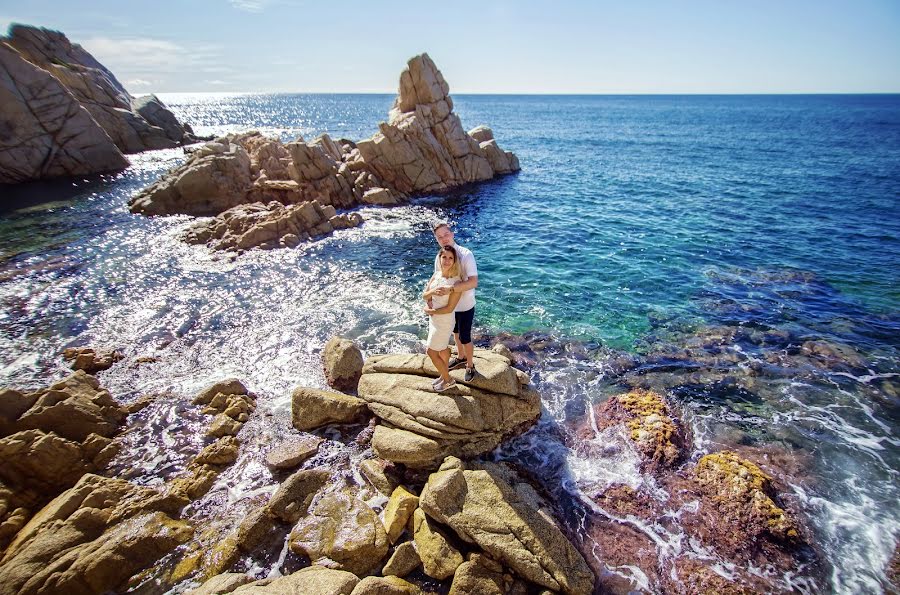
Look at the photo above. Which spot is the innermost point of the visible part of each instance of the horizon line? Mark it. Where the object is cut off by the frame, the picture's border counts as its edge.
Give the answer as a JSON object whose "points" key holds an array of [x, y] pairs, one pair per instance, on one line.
{"points": [[547, 94]]}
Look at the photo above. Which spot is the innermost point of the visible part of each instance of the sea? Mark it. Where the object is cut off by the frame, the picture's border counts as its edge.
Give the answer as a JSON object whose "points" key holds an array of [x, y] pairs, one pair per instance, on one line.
{"points": [[740, 252]]}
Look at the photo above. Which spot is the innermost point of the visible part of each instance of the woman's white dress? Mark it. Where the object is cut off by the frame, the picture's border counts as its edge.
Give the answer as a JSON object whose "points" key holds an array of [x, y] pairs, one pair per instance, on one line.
{"points": [[440, 326]]}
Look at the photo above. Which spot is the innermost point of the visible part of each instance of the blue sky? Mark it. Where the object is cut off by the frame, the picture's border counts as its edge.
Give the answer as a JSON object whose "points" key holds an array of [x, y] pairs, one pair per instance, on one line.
{"points": [[486, 46]]}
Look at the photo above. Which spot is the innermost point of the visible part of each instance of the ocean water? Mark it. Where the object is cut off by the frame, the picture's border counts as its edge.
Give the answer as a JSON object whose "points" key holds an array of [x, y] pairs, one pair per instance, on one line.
{"points": [[638, 227]]}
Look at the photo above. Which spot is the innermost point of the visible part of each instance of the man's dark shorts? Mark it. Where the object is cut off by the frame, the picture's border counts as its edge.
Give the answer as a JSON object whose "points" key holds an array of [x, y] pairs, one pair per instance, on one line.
{"points": [[464, 325]]}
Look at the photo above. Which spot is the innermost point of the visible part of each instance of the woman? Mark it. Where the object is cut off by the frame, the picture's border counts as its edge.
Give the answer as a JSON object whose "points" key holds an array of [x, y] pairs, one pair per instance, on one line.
{"points": [[441, 318]]}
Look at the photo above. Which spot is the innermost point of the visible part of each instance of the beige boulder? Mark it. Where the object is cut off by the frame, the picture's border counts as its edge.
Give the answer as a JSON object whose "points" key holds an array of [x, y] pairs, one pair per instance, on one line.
{"points": [[293, 452], [420, 426], [312, 580], [478, 575], [385, 585], [380, 473], [439, 558], [73, 408], [293, 497], [92, 538], [381, 197], [343, 529], [491, 507], [404, 560], [312, 408], [227, 387], [222, 583], [91, 360], [343, 363], [398, 511]]}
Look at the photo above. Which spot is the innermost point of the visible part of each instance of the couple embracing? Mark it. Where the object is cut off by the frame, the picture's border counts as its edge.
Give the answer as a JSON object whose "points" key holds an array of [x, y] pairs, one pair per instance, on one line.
{"points": [[450, 299]]}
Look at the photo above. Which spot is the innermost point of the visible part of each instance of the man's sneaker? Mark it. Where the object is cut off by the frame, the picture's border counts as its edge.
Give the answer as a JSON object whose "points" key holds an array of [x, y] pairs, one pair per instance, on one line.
{"points": [[434, 382], [442, 386], [455, 362], [470, 374]]}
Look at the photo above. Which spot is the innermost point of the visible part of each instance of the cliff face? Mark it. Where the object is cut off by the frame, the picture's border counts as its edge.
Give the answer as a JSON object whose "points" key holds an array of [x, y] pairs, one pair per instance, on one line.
{"points": [[63, 113]]}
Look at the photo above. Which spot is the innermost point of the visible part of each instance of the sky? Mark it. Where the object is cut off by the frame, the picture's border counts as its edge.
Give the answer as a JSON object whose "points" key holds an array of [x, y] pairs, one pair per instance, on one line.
{"points": [[485, 46]]}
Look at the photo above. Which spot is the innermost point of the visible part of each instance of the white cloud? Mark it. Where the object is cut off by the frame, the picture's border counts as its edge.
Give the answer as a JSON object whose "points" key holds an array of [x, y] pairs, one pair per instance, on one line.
{"points": [[138, 83], [249, 5], [144, 55], [260, 5], [217, 82]]}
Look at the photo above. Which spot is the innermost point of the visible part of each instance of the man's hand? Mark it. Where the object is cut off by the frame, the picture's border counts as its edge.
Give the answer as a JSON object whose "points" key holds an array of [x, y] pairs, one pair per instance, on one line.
{"points": [[429, 310], [443, 290]]}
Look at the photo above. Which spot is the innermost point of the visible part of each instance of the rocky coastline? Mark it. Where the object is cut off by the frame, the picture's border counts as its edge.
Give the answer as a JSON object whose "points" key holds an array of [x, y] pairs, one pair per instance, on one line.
{"points": [[425, 508], [263, 193], [65, 114]]}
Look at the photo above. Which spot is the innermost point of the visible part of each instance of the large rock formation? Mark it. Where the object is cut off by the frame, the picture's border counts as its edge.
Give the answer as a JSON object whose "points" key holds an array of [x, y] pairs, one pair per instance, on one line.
{"points": [[48, 440], [489, 506], [44, 131], [64, 113], [92, 538], [419, 427], [423, 148]]}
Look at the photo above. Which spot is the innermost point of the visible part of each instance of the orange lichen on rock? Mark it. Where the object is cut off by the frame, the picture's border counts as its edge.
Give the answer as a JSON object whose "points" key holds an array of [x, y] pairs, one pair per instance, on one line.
{"points": [[740, 489], [651, 426]]}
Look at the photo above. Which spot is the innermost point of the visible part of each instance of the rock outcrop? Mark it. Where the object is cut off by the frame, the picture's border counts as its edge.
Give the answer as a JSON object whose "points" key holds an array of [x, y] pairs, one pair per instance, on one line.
{"points": [[488, 505], [46, 132], [651, 426], [423, 148], [343, 364], [48, 440], [91, 360], [273, 225], [92, 539], [420, 427], [66, 114]]}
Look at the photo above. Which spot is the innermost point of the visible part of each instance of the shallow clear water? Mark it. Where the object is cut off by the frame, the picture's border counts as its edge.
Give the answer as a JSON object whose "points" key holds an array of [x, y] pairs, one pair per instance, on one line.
{"points": [[636, 222]]}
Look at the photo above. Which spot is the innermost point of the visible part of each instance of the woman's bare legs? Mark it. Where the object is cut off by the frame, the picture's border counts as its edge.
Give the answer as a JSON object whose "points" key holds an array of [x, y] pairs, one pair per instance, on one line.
{"points": [[440, 359]]}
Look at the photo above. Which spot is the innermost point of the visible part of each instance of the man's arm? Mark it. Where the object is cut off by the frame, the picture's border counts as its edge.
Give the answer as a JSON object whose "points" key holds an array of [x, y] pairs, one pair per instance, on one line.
{"points": [[470, 283]]}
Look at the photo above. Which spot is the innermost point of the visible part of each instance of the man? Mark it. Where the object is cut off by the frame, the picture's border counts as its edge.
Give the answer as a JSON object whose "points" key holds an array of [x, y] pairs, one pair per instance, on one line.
{"points": [[465, 308]]}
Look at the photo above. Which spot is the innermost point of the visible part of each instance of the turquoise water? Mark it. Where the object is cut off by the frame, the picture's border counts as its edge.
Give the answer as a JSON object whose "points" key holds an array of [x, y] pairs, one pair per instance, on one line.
{"points": [[635, 226]]}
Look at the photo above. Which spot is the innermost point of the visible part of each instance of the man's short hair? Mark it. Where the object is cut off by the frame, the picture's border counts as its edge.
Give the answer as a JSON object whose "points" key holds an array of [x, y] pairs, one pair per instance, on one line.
{"points": [[439, 224]]}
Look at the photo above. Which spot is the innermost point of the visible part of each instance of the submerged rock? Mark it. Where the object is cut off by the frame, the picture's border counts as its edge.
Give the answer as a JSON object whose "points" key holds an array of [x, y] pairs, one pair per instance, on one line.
{"points": [[90, 360], [741, 494], [651, 426]]}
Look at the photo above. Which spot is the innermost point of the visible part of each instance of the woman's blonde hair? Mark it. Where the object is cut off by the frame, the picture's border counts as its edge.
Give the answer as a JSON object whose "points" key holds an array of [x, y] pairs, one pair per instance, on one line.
{"points": [[454, 270]]}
